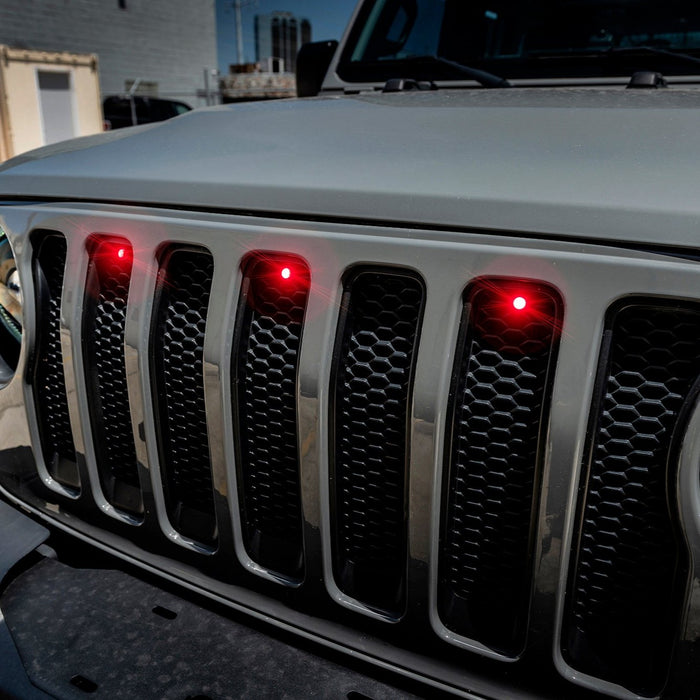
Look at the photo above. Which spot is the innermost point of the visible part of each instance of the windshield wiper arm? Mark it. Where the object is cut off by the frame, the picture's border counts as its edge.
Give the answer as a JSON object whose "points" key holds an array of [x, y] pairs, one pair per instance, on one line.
{"points": [[678, 55], [484, 78]]}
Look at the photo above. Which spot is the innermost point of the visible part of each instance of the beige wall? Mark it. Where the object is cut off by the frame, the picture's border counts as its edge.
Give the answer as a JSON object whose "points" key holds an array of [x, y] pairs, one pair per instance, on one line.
{"points": [[20, 109]]}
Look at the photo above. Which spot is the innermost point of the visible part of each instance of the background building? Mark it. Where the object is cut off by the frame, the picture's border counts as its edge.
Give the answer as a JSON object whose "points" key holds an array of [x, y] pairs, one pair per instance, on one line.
{"points": [[166, 45], [46, 97], [328, 18], [278, 37]]}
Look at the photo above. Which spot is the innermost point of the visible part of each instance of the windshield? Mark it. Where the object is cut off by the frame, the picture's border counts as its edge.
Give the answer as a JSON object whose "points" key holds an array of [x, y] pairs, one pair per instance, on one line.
{"points": [[522, 38]]}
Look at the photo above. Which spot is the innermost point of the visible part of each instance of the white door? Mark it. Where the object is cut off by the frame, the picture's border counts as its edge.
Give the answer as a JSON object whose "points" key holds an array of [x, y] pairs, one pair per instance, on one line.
{"points": [[56, 99]]}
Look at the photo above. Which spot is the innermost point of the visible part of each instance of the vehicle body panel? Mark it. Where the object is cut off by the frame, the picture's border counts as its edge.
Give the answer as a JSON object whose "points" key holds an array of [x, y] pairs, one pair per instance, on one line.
{"points": [[482, 159]]}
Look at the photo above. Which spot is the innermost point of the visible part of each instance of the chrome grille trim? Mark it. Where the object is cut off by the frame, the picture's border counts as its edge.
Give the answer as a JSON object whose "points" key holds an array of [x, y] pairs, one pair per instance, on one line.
{"points": [[453, 261], [322, 313], [578, 357], [55, 484], [217, 344], [138, 321], [688, 494], [82, 406], [71, 312]]}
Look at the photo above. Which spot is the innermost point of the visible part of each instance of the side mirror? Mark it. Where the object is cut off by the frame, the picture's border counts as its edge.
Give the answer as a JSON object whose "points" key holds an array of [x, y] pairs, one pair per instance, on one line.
{"points": [[312, 64]]}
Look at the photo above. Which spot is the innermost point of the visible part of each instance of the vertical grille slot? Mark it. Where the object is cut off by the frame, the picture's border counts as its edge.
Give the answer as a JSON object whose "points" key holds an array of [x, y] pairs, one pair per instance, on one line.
{"points": [[498, 408], [49, 386], [627, 580], [177, 341], [264, 369], [372, 385], [104, 319]]}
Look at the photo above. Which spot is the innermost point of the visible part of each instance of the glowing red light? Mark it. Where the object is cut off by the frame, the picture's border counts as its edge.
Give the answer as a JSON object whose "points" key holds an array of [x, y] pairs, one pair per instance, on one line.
{"points": [[121, 253], [277, 281], [519, 303]]}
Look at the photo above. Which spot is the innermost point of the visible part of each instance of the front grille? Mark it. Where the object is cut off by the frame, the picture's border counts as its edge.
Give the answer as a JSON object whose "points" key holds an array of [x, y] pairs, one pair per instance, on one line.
{"points": [[180, 317], [627, 586], [376, 352], [502, 375], [104, 318], [50, 399], [264, 370], [428, 456]]}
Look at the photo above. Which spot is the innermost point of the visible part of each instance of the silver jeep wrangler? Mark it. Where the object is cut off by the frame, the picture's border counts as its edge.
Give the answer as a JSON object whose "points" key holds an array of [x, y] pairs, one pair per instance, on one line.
{"points": [[389, 390]]}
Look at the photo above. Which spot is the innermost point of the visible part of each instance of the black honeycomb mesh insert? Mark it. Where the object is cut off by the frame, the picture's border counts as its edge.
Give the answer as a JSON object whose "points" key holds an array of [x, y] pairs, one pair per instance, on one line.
{"points": [[49, 381], [264, 371], [375, 359], [499, 404], [624, 596], [104, 320], [180, 319]]}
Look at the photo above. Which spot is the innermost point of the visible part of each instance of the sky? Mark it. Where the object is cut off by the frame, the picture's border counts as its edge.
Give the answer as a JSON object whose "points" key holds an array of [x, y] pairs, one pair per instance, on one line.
{"points": [[328, 19]]}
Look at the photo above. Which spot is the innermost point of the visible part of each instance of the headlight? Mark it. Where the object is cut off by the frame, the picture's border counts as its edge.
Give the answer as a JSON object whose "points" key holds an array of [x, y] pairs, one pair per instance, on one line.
{"points": [[10, 309], [14, 287]]}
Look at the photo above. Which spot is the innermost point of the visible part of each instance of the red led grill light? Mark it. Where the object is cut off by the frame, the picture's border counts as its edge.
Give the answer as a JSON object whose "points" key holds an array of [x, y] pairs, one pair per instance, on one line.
{"points": [[274, 276], [111, 259], [107, 251], [516, 316]]}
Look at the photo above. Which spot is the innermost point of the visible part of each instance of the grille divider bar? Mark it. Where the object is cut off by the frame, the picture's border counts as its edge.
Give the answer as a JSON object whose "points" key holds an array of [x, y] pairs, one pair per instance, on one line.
{"points": [[576, 367], [222, 350], [438, 338], [71, 318], [136, 338], [313, 407], [217, 354], [688, 498]]}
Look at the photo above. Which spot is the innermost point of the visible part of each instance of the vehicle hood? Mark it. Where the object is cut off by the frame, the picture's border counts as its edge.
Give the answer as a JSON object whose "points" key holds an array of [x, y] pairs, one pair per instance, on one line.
{"points": [[608, 164]]}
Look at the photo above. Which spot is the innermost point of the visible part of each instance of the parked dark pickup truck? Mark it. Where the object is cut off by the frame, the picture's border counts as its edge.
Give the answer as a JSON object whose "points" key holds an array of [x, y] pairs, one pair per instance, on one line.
{"points": [[388, 391]]}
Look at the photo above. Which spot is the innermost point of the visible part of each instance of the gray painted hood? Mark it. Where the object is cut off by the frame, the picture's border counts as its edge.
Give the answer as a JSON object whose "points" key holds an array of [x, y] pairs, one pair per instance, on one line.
{"points": [[600, 163]]}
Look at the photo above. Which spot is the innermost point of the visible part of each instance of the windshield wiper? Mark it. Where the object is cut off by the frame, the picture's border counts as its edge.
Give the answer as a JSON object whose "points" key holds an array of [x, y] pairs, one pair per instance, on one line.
{"points": [[677, 55], [611, 51], [484, 78]]}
